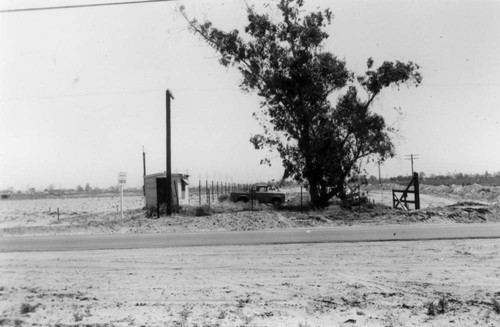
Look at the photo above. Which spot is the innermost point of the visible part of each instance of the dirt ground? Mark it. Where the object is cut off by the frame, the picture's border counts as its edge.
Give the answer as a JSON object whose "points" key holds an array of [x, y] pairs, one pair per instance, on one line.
{"points": [[363, 284]]}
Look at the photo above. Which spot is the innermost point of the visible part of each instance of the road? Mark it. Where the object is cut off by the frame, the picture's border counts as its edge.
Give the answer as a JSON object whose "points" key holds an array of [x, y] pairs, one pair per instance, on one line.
{"points": [[316, 235]]}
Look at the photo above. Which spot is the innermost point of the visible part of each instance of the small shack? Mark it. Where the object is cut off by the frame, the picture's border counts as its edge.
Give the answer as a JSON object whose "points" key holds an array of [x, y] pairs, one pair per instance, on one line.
{"points": [[155, 189]]}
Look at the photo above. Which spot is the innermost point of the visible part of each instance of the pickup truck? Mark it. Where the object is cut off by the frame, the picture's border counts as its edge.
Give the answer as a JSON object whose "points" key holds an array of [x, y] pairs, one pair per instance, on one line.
{"points": [[261, 193]]}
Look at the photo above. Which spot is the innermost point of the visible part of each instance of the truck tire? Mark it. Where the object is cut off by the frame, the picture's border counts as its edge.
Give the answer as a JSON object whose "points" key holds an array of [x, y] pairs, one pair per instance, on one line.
{"points": [[276, 202], [242, 199]]}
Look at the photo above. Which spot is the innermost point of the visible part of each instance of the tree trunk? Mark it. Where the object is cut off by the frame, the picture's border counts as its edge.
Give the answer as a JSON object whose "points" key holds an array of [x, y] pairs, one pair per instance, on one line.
{"points": [[318, 194]]}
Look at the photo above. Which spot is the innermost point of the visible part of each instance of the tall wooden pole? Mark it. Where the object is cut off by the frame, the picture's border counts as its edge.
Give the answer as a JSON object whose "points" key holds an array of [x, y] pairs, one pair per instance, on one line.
{"points": [[416, 186], [379, 179], [169, 157], [143, 171], [412, 157]]}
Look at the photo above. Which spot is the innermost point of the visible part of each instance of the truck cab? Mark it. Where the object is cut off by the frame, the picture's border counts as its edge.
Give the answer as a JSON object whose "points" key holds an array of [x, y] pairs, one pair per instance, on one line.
{"points": [[262, 193]]}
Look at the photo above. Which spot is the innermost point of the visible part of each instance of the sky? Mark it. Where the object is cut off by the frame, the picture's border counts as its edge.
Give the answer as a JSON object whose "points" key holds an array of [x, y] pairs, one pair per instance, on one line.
{"points": [[82, 91]]}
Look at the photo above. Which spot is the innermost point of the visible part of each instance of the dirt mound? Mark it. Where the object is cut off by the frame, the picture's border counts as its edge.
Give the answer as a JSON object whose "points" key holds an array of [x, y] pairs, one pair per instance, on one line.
{"points": [[469, 192], [473, 192], [465, 212]]}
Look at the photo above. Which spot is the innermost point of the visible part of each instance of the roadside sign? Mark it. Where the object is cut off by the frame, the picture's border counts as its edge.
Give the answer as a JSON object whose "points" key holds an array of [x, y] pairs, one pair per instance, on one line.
{"points": [[122, 178]]}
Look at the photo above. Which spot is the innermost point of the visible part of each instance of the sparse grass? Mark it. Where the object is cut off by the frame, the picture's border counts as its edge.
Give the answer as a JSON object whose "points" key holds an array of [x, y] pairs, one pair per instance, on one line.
{"points": [[440, 308], [431, 308], [442, 305], [184, 314], [27, 308], [496, 306], [222, 315], [9, 322], [77, 317], [243, 302]]}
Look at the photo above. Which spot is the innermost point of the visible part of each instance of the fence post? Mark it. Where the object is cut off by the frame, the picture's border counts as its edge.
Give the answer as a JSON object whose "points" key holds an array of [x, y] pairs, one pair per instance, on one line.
{"points": [[301, 198], [213, 198], [207, 193], [416, 186], [251, 200], [199, 192]]}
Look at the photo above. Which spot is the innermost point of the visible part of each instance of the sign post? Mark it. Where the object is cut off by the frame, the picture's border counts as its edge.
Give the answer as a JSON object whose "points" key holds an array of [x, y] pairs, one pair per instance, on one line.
{"points": [[122, 180]]}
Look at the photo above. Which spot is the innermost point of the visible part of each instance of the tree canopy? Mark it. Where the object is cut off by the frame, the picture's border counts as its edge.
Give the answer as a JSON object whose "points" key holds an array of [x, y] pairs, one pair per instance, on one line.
{"points": [[320, 139]]}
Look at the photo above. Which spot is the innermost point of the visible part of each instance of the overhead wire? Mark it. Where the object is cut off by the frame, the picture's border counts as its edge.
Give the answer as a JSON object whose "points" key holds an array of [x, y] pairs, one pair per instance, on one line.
{"points": [[81, 6]]}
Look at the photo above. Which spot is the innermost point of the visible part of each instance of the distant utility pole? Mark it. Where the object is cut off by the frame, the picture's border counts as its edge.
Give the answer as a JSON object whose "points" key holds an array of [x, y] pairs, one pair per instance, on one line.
{"points": [[143, 170], [411, 157], [379, 179], [169, 157]]}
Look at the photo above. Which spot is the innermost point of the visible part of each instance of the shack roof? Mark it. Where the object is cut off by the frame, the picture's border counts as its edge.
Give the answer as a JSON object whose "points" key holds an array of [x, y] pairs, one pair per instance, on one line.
{"points": [[181, 176]]}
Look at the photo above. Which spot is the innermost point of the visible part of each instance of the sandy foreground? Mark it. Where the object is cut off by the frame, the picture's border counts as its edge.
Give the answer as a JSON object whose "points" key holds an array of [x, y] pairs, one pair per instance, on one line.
{"points": [[306, 285], [360, 284]]}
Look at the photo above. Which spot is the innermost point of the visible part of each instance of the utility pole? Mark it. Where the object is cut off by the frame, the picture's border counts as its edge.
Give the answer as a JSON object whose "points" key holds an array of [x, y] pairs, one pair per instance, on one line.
{"points": [[411, 157], [143, 171], [169, 157], [379, 179]]}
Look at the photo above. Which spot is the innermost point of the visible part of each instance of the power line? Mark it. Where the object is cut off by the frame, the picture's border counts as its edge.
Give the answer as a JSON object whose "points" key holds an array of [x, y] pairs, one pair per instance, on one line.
{"points": [[411, 157], [82, 6]]}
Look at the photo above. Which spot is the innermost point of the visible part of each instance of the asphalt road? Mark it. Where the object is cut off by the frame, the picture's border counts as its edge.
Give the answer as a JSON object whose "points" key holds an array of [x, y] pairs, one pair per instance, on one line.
{"points": [[315, 235]]}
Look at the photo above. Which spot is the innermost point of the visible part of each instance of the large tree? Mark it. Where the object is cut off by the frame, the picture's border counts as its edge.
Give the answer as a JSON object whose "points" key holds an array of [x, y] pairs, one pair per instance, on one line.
{"points": [[286, 64]]}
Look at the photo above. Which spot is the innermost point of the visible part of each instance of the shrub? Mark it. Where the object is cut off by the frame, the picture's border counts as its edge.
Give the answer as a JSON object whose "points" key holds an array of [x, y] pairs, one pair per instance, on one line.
{"points": [[431, 308], [442, 305], [150, 211], [496, 306], [77, 317], [223, 197], [202, 211], [27, 308]]}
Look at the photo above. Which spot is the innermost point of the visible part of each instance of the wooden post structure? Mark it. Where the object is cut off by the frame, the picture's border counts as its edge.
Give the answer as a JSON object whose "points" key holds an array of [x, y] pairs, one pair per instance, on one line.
{"points": [[207, 191], [416, 186], [169, 157], [402, 202], [199, 191], [121, 201]]}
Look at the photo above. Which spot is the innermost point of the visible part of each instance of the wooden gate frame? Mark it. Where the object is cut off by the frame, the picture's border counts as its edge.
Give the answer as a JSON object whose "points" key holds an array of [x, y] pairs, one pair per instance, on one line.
{"points": [[402, 201]]}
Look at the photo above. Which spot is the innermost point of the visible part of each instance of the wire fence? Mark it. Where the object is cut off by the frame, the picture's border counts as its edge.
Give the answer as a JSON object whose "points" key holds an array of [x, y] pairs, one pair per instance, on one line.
{"points": [[209, 192]]}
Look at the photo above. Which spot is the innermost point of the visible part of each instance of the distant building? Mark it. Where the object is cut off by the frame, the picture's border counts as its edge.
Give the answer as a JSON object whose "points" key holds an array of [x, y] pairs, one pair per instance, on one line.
{"points": [[154, 189]]}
